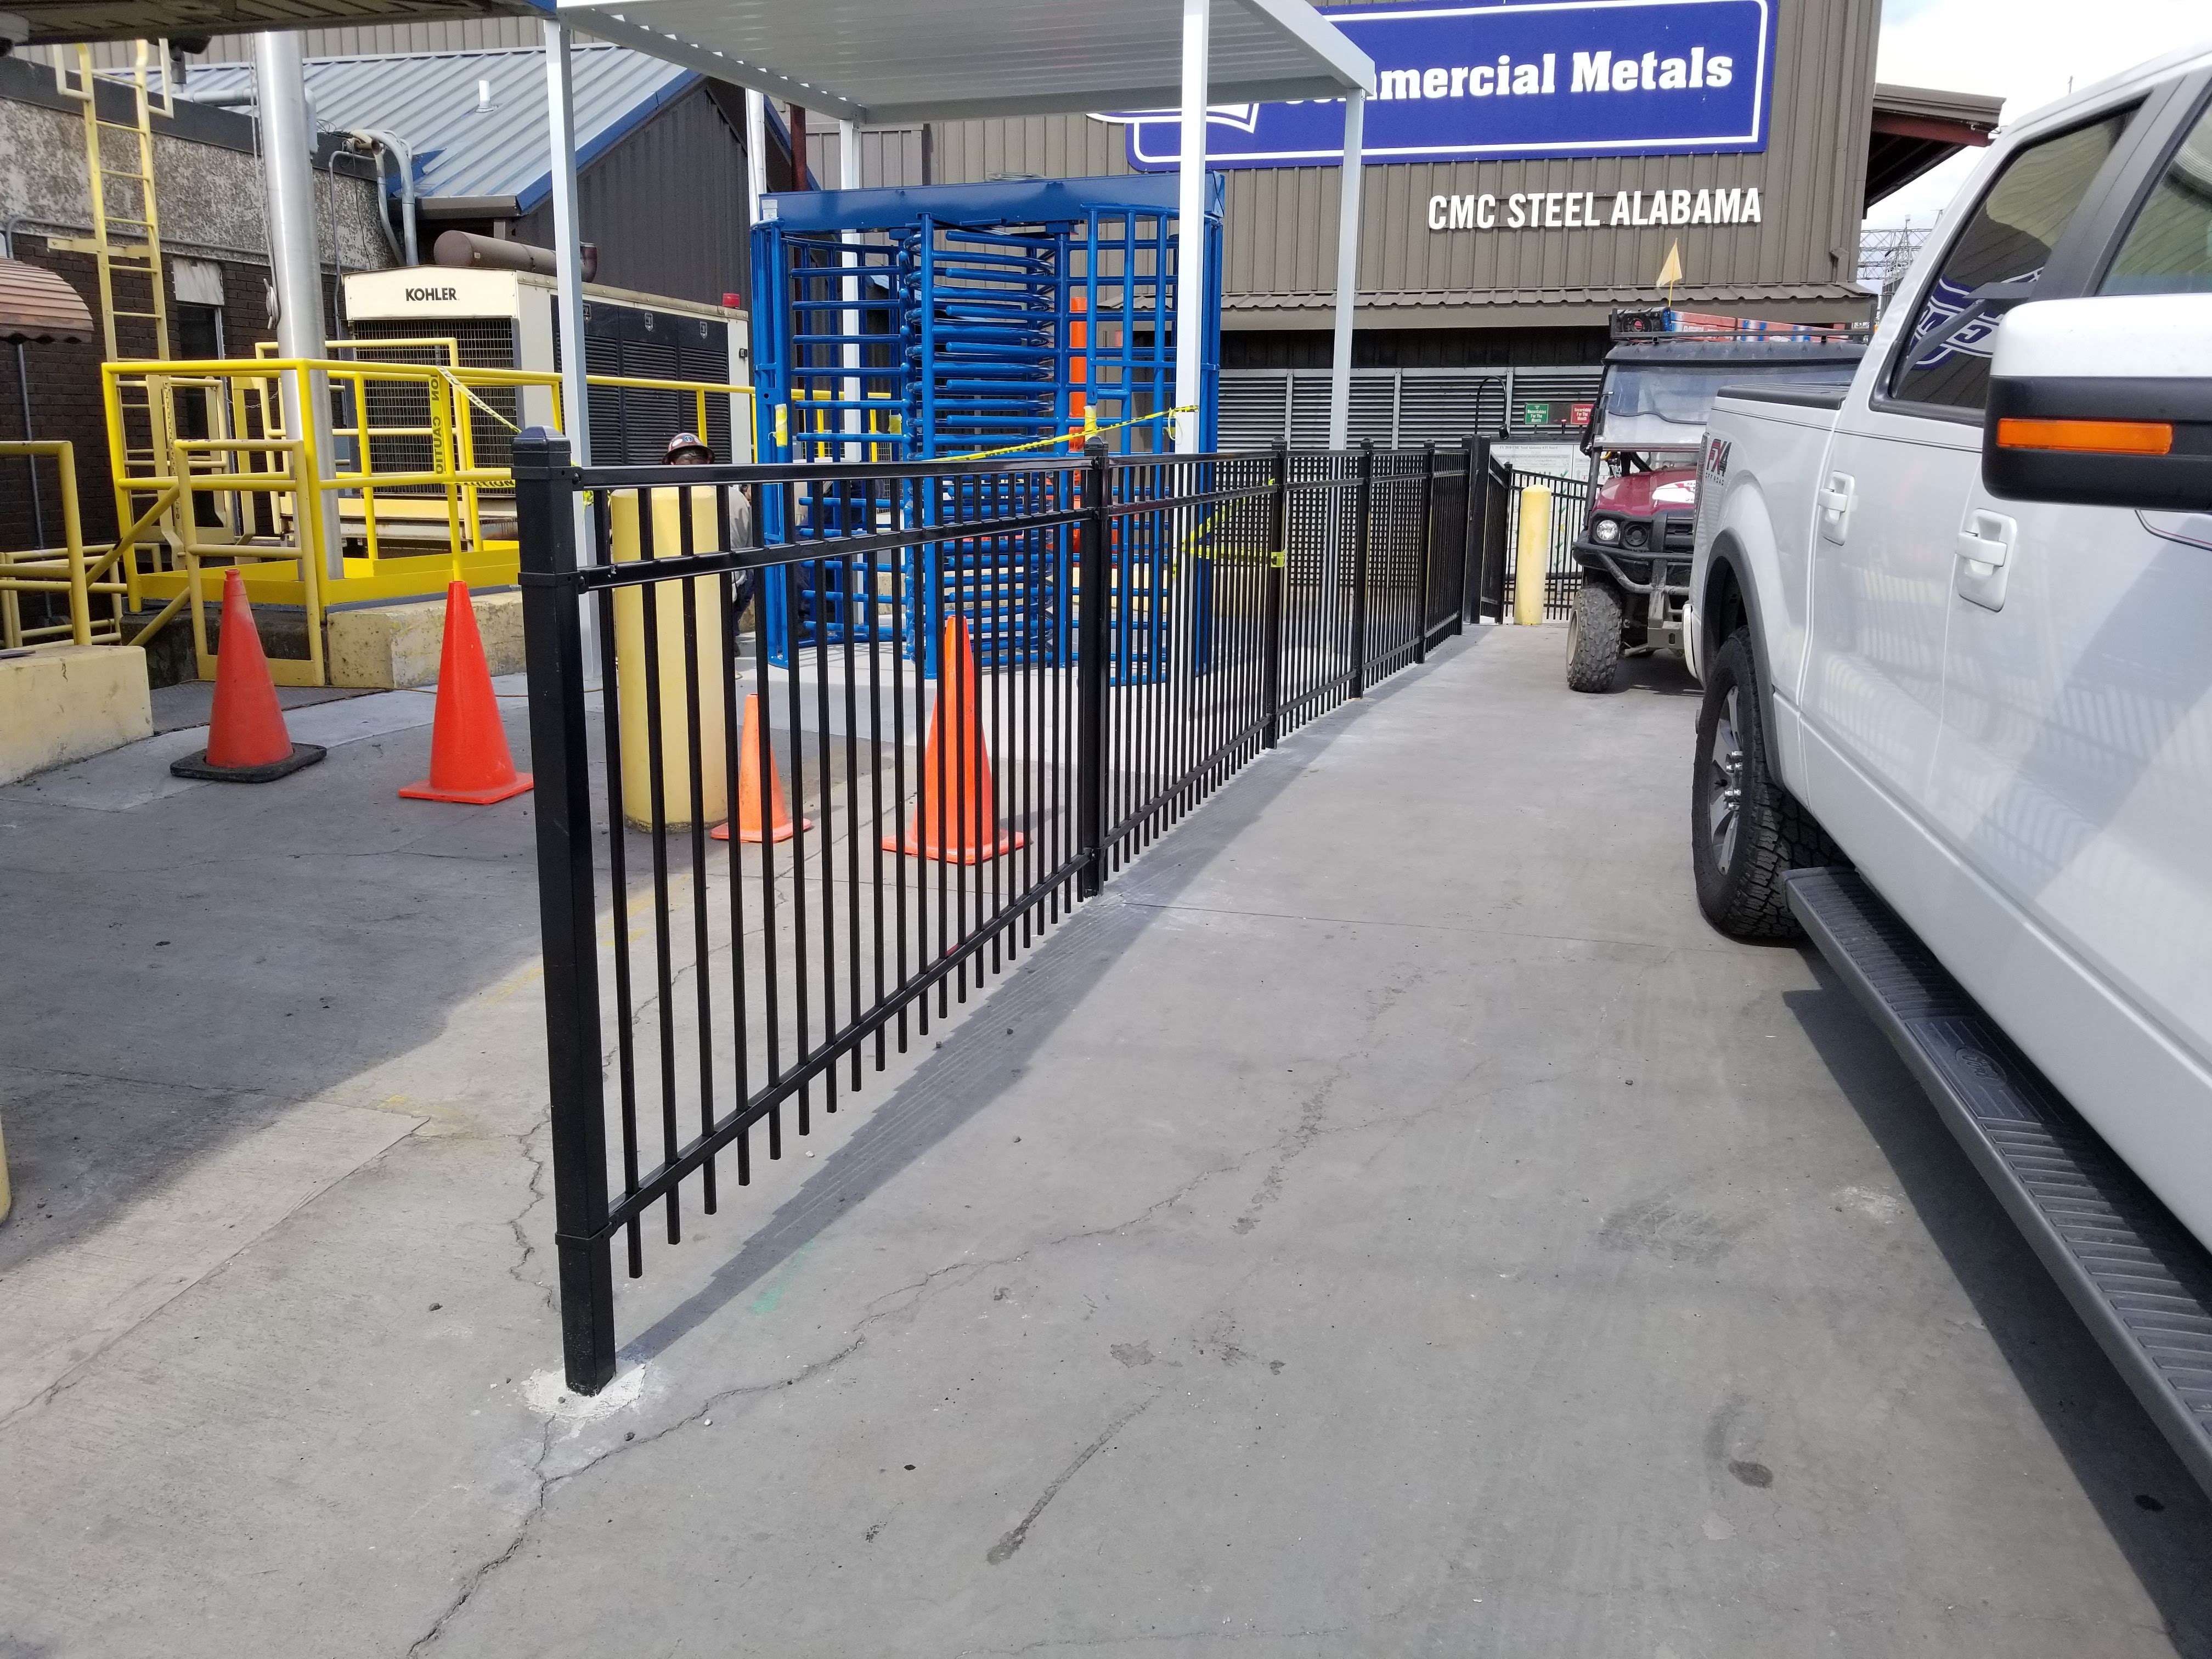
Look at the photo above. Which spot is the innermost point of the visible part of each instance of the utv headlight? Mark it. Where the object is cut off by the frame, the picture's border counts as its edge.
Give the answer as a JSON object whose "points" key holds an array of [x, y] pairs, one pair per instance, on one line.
{"points": [[1607, 530], [1639, 536]]}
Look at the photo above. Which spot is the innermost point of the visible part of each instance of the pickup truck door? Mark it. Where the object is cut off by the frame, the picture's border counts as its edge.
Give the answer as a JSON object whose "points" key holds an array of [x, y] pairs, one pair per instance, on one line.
{"points": [[1891, 500], [2073, 769]]}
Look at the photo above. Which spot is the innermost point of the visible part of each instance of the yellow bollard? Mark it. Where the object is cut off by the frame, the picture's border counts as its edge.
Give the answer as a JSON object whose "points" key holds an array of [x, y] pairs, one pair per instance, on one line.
{"points": [[1532, 555], [632, 666]]}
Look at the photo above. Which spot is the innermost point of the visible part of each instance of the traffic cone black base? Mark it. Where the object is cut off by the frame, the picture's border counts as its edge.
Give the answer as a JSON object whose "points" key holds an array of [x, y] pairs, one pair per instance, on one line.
{"points": [[195, 765]]}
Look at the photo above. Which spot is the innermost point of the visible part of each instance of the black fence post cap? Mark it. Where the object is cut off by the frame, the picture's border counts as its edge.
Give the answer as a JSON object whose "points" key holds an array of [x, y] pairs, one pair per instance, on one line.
{"points": [[539, 451], [1094, 445]]}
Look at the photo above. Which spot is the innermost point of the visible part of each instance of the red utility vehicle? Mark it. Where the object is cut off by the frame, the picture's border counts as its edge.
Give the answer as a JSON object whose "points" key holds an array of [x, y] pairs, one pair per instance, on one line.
{"points": [[1644, 439]]}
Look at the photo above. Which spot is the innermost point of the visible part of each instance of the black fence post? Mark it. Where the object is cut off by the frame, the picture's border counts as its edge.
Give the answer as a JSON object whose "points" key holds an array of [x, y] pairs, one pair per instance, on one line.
{"points": [[1278, 555], [1428, 545], [1365, 511], [1094, 585], [545, 516], [1470, 575]]}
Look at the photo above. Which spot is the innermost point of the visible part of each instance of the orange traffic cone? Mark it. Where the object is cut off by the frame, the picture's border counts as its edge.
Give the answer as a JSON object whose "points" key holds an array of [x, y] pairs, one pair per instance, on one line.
{"points": [[247, 739], [751, 744], [955, 818], [469, 758]]}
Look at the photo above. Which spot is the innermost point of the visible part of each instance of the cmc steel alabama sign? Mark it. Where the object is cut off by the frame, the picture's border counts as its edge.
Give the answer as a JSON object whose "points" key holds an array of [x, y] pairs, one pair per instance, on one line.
{"points": [[1491, 82]]}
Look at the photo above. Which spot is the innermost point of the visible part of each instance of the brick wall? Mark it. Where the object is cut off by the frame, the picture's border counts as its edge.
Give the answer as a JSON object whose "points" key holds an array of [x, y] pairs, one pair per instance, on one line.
{"points": [[65, 393]]}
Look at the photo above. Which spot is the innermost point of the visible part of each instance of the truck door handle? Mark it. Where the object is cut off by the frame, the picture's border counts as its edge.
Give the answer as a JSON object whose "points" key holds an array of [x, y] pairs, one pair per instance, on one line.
{"points": [[1987, 540], [1835, 504], [1984, 553]]}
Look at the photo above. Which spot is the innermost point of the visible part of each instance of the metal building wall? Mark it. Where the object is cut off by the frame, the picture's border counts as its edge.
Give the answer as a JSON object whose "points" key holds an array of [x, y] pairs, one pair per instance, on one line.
{"points": [[667, 206], [1279, 260], [889, 156]]}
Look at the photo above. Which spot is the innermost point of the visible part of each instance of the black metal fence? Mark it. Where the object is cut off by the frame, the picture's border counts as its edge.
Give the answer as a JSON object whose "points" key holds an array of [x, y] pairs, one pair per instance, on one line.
{"points": [[1111, 638]]}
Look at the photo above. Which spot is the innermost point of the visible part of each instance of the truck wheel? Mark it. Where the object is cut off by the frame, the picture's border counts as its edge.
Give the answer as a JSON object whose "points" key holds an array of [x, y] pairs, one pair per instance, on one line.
{"points": [[1747, 831], [1594, 636]]}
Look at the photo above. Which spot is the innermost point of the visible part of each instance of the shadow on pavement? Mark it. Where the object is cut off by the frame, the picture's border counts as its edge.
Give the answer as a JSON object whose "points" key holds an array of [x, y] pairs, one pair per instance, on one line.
{"points": [[980, 1058], [2156, 1513]]}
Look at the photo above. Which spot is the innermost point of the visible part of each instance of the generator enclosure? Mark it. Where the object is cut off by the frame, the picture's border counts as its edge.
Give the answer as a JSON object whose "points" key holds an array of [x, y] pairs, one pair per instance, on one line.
{"points": [[509, 319]]}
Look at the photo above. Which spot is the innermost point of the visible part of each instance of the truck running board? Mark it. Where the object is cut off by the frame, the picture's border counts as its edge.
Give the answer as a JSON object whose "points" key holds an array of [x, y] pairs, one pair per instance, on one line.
{"points": [[2132, 1272]]}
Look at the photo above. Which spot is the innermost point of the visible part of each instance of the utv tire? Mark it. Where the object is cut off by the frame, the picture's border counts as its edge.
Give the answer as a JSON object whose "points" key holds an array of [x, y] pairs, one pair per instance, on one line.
{"points": [[1594, 636], [1747, 831]]}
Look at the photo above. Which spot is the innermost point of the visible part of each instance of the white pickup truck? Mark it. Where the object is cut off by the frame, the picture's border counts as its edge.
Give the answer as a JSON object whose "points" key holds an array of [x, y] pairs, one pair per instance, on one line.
{"points": [[1954, 623]]}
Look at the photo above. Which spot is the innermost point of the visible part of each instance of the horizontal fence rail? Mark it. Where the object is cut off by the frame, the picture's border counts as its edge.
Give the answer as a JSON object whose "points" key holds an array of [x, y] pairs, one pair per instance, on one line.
{"points": [[1001, 681]]}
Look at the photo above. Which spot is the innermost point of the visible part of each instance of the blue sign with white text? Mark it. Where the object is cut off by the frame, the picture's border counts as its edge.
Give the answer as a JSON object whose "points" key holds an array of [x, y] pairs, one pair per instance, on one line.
{"points": [[1491, 82]]}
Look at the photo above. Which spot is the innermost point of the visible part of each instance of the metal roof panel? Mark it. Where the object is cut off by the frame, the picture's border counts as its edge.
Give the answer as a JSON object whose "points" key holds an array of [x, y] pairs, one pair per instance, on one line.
{"points": [[431, 101]]}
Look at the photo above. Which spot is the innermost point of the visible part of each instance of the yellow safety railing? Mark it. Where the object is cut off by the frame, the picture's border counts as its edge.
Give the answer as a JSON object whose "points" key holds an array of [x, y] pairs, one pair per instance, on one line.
{"points": [[65, 569], [224, 479]]}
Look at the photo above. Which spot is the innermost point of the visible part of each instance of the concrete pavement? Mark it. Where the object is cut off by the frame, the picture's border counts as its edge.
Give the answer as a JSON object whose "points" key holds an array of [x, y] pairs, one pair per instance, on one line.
{"points": [[1389, 1222]]}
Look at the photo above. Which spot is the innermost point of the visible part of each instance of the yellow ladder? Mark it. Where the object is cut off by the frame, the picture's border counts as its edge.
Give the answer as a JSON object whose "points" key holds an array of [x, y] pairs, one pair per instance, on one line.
{"points": [[125, 243], [126, 222]]}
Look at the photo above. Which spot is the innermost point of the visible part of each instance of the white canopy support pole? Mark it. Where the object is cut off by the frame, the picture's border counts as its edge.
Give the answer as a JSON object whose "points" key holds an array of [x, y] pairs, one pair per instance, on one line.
{"points": [[288, 153], [1347, 271], [848, 178], [755, 154], [568, 242], [748, 447], [569, 297], [1190, 226]]}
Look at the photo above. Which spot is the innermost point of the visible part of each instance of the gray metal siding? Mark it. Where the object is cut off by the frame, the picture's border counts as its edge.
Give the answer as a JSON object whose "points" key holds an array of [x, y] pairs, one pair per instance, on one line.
{"points": [[1281, 238], [667, 206], [889, 156]]}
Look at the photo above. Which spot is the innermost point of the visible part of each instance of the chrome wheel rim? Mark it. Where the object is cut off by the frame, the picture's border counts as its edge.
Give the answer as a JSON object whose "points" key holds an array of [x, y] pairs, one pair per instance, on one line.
{"points": [[1725, 784]]}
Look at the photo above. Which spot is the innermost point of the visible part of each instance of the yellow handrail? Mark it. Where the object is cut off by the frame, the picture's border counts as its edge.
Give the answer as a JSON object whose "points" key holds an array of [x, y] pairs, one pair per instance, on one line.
{"points": [[51, 569]]}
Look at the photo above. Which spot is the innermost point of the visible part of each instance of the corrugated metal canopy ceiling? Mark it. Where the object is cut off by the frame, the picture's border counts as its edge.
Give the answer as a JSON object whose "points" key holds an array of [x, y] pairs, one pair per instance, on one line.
{"points": [[888, 61]]}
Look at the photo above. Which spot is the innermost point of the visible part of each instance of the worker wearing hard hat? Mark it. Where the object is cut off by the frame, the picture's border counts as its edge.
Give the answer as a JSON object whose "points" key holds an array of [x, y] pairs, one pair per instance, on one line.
{"points": [[690, 449]]}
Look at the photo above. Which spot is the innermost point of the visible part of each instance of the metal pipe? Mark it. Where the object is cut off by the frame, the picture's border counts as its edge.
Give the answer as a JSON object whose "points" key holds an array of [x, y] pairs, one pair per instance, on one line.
{"points": [[289, 178], [404, 157], [1190, 227], [1347, 271]]}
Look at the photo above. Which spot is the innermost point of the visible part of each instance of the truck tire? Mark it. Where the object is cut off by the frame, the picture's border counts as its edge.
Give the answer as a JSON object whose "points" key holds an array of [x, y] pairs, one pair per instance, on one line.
{"points": [[1594, 636], [1747, 831]]}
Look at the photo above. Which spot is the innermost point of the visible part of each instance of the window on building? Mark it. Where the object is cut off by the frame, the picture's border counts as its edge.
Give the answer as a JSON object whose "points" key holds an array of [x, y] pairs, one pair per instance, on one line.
{"points": [[2168, 249], [2004, 247]]}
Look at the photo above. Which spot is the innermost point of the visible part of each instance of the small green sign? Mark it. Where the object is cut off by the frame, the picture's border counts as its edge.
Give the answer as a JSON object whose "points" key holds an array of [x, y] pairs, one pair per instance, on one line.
{"points": [[1535, 414]]}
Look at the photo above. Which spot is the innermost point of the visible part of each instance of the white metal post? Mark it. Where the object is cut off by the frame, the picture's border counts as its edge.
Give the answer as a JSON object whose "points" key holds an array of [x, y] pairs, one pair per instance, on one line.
{"points": [[755, 154], [288, 164], [568, 242], [569, 293], [756, 187], [1347, 271], [848, 178], [1190, 226]]}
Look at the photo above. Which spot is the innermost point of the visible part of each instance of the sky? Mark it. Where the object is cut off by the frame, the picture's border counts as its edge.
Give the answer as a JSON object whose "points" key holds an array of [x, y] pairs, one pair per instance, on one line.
{"points": [[2025, 52]]}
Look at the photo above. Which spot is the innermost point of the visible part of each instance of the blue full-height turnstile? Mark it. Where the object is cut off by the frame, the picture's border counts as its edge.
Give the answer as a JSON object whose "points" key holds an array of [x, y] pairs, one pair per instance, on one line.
{"points": [[948, 321]]}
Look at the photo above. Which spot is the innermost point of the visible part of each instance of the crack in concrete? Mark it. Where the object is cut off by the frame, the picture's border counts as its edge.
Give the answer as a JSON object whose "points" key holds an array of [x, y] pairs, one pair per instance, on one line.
{"points": [[518, 1271], [928, 1280], [1002, 1551], [546, 1484]]}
